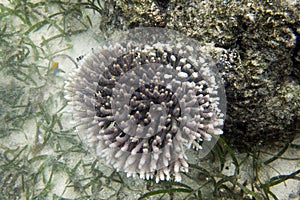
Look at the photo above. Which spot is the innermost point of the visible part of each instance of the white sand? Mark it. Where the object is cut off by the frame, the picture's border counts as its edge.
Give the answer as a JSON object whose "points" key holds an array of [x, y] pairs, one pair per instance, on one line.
{"points": [[82, 44]]}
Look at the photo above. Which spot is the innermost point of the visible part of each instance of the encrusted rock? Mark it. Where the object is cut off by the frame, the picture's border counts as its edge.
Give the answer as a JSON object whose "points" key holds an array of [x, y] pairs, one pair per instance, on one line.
{"points": [[260, 62]]}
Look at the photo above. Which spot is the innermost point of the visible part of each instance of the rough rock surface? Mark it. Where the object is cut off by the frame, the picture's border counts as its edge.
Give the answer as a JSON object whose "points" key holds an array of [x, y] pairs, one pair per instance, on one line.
{"points": [[260, 61]]}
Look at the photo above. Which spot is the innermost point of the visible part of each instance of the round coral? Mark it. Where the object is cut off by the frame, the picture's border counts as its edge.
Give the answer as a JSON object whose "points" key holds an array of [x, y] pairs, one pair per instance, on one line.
{"points": [[145, 97]]}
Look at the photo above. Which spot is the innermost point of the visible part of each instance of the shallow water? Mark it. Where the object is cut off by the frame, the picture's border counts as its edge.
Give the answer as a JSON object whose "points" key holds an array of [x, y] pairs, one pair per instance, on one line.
{"points": [[41, 155]]}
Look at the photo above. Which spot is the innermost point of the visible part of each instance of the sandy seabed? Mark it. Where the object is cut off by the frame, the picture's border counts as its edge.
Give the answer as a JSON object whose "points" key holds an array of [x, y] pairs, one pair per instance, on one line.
{"points": [[82, 44]]}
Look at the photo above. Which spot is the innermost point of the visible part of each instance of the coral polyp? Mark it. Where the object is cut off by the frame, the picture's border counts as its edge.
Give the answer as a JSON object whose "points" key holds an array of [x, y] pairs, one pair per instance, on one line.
{"points": [[145, 97]]}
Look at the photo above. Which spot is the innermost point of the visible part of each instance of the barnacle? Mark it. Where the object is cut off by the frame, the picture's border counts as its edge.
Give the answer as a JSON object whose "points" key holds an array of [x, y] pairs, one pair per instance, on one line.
{"points": [[143, 98]]}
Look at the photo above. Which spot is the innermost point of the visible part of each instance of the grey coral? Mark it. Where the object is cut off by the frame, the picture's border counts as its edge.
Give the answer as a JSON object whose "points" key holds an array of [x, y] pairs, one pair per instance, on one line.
{"points": [[144, 98]]}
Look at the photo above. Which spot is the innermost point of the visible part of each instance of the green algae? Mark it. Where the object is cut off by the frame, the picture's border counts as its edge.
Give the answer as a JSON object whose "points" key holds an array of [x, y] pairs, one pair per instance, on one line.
{"points": [[31, 170]]}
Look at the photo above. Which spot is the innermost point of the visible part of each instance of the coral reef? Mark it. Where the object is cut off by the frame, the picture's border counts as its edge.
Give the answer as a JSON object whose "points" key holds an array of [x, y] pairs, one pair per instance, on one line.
{"points": [[144, 98], [260, 62]]}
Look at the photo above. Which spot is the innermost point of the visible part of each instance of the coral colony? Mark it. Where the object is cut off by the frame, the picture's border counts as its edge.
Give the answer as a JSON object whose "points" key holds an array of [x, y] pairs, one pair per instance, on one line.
{"points": [[144, 98]]}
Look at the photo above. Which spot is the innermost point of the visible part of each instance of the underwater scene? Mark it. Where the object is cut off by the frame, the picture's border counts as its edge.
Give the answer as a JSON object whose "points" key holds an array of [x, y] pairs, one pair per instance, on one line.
{"points": [[150, 99]]}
